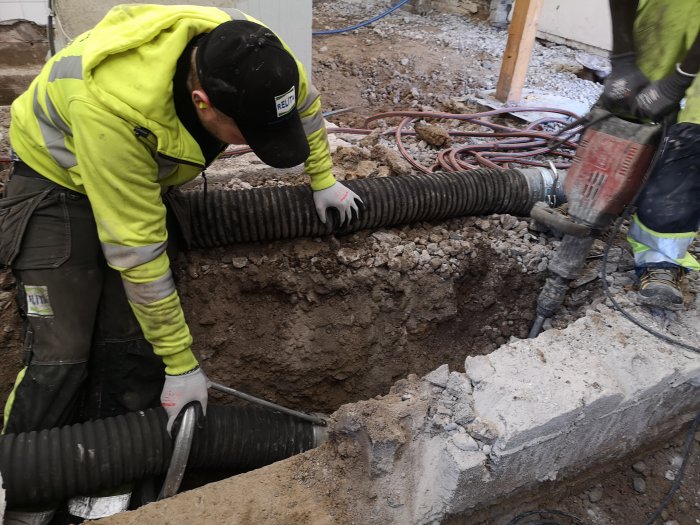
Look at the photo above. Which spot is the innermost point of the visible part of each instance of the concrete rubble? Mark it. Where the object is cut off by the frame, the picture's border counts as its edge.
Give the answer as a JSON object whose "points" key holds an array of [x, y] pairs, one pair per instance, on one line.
{"points": [[538, 410], [532, 411]]}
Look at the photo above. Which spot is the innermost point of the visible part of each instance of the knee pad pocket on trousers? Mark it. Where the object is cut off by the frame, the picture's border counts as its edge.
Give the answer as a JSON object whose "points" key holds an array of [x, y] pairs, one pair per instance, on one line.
{"points": [[55, 376], [47, 238]]}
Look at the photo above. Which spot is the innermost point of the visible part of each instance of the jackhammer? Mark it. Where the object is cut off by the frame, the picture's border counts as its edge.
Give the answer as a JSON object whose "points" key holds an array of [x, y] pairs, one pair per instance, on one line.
{"points": [[608, 169]]}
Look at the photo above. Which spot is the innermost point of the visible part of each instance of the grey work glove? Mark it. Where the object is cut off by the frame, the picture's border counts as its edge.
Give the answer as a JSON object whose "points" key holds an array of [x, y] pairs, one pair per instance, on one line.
{"points": [[661, 98], [622, 84], [339, 197], [180, 391]]}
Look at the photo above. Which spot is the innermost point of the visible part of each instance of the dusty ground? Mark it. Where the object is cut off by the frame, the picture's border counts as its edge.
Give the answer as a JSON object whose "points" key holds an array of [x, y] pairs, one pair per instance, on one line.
{"points": [[316, 323]]}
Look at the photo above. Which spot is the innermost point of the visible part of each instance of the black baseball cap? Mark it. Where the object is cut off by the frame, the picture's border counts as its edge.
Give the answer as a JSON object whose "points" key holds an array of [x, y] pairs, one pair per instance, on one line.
{"points": [[249, 76]]}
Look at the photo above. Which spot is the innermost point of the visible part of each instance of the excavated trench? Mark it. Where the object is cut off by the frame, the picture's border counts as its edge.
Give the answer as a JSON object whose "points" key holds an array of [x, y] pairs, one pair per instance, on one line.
{"points": [[313, 324], [318, 322], [300, 327]]}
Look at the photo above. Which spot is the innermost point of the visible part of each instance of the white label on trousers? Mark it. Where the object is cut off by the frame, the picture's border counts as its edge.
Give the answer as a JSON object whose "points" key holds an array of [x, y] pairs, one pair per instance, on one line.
{"points": [[38, 303]]}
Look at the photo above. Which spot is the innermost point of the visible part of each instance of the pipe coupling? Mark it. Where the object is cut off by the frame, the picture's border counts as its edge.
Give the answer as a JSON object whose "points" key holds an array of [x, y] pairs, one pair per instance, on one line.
{"points": [[546, 184]]}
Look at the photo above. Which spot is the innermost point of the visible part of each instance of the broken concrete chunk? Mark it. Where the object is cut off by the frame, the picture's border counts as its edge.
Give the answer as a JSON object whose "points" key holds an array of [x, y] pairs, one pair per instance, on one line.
{"points": [[386, 237], [478, 368], [465, 442], [458, 385], [439, 376], [463, 414], [482, 431], [393, 159], [483, 224], [549, 476], [382, 457], [239, 262], [432, 134], [440, 420], [346, 422], [584, 278], [372, 139], [348, 255], [444, 410], [508, 222]]}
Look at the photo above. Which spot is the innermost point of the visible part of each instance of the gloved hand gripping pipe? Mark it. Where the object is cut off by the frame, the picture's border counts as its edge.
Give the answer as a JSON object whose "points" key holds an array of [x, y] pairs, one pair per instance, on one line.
{"points": [[51, 465]]}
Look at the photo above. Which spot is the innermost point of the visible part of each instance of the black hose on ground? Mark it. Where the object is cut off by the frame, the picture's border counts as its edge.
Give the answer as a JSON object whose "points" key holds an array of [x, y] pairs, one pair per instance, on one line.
{"points": [[51, 465], [224, 217]]}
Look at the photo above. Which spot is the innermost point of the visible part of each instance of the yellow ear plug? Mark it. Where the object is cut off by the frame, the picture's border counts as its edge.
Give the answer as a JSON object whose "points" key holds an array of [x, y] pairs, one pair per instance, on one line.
{"points": [[203, 105]]}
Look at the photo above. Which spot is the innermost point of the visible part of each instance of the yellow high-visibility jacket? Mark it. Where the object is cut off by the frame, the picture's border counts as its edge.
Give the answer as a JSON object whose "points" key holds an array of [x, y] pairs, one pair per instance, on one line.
{"points": [[664, 30], [100, 120]]}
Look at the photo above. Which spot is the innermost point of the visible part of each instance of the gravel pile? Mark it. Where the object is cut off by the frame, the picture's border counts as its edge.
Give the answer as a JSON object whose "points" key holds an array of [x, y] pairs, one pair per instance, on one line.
{"points": [[552, 67]]}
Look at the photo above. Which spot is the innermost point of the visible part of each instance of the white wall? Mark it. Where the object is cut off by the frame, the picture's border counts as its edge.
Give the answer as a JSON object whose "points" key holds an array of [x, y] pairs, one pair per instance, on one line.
{"points": [[571, 21], [33, 10], [290, 19]]}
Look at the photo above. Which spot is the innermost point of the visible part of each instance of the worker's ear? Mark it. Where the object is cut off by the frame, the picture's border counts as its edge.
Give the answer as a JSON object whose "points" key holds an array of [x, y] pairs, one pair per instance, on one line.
{"points": [[200, 99]]}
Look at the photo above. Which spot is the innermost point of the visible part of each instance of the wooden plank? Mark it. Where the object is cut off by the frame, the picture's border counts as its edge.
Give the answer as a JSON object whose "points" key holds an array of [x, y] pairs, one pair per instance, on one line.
{"points": [[516, 57]]}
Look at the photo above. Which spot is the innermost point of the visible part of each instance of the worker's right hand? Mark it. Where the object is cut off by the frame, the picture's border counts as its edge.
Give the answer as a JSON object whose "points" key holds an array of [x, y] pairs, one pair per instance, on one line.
{"points": [[661, 98], [622, 84], [341, 198], [180, 391]]}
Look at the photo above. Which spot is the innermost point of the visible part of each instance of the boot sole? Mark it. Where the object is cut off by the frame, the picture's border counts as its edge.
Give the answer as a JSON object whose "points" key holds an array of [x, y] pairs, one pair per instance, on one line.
{"points": [[660, 302]]}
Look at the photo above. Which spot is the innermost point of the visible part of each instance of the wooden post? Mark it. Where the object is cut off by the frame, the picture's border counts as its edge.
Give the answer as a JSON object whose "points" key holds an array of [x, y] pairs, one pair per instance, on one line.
{"points": [[516, 57]]}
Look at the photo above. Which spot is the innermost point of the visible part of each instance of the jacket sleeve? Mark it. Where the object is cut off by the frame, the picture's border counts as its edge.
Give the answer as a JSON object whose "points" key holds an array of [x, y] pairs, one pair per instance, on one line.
{"points": [[319, 165], [120, 178]]}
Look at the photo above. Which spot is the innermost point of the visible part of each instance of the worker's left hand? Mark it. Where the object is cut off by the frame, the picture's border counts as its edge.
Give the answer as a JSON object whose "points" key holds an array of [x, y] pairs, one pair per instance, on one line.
{"points": [[622, 84], [180, 391], [339, 197], [661, 98]]}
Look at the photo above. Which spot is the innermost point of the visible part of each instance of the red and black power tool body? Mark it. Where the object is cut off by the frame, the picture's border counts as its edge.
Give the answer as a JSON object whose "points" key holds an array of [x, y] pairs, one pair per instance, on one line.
{"points": [[608, 169]]}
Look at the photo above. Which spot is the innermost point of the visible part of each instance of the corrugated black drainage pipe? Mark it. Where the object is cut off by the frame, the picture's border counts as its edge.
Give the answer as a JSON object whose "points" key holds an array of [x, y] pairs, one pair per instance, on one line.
{"points": [[224, 217], [55, 464]]}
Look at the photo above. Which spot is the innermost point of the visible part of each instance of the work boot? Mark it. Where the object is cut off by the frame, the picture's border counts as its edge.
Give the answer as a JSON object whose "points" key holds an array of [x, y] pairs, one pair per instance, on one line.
{"points": [[661, 287]]}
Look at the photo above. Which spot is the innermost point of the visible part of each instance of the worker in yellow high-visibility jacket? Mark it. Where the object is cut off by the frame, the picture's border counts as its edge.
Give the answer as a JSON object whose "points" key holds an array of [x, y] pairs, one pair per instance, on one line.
{"points": [[655, 63], [141, 103]]}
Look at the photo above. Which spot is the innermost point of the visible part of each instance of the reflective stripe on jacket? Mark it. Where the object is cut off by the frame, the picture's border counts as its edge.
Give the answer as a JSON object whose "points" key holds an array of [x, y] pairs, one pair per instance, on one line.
{"points": [[100, 119]]}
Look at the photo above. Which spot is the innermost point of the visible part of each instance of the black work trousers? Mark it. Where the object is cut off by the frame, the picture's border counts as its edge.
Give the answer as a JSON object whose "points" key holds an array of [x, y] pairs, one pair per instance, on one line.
{"points": [[85, 356], [670, 201]]}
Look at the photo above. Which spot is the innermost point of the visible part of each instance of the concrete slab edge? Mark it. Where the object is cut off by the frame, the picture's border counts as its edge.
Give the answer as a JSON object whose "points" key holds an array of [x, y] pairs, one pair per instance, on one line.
{"points": [[549, 408]]}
